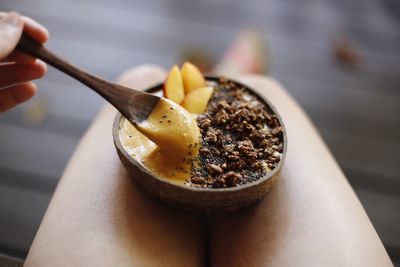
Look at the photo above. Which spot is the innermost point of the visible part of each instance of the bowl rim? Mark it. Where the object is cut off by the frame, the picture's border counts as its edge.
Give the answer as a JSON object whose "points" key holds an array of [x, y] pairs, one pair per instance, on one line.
{"points": [[143, 168]]}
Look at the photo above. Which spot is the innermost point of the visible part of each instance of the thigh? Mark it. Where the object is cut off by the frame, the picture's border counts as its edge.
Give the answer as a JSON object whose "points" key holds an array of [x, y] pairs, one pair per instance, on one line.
{"points": [[310, 218], [98, 216]]}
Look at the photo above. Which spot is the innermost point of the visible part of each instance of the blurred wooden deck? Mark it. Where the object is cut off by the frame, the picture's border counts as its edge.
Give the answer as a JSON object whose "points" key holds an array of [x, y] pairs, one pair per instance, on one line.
{"points": [[357, 112]]}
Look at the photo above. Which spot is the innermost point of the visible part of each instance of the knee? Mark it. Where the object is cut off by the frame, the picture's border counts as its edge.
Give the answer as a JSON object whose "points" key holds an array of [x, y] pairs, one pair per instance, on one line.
{"points": [[142, 76]]}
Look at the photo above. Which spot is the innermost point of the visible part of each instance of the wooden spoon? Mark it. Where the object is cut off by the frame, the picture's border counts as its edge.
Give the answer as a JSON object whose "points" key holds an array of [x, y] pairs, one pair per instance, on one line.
{"points": [[133, 104]]}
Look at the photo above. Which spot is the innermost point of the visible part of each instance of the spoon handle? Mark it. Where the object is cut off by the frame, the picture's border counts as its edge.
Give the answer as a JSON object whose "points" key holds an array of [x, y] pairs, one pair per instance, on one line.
{"points": [[107, 89]]}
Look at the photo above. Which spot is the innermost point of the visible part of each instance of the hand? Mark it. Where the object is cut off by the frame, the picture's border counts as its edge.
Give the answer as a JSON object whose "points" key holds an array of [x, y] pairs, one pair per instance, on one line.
{"points": [[18, 69]]}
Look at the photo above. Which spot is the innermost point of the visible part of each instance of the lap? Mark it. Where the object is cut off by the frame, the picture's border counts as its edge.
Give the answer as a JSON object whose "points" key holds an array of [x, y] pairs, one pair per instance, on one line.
{"points": [[98, 217]]}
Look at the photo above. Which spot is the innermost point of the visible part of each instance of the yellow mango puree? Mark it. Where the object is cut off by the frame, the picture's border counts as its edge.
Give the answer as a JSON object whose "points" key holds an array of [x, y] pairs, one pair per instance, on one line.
{"points": [[166, 142]]}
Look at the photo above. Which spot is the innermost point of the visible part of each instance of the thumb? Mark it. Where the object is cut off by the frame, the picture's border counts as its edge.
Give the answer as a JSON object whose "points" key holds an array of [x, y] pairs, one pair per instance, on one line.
{"points": [[11, 27]]}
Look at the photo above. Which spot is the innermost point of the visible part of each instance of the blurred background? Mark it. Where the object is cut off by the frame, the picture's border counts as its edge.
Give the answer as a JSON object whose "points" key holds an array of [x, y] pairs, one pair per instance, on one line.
{"points": [[340, 59]]}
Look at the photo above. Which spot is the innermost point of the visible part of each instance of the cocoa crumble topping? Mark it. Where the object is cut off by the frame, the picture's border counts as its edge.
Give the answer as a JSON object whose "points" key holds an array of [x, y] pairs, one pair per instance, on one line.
{"points": [[242, 139]]}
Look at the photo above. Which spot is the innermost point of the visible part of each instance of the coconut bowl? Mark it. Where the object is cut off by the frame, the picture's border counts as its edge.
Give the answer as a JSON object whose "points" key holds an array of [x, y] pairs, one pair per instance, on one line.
{"points": [[195, 198]]}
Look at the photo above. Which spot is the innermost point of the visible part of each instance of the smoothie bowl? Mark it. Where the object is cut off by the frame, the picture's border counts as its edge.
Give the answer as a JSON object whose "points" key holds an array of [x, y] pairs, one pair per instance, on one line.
{"points": [[236, 148]]}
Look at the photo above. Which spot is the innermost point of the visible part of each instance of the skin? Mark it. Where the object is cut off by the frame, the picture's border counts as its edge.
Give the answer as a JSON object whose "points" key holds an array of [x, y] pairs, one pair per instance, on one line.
{"points": [[18, 69], [98, 216]]}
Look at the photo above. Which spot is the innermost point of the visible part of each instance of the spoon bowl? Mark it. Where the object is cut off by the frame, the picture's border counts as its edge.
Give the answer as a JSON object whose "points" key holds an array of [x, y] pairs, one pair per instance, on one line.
{"points": [[195, 198]]}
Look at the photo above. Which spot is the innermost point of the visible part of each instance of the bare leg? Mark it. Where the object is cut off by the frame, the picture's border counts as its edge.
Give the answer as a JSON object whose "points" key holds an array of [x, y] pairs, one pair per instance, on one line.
{"points": [[98, 216], [310, 218]]}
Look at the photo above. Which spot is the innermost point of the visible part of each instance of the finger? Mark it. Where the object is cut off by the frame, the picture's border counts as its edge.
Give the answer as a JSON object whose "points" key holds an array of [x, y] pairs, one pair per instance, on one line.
{"points": [[10, 32], [12, 74], [12, 96], [20, 57], [35, 30]]}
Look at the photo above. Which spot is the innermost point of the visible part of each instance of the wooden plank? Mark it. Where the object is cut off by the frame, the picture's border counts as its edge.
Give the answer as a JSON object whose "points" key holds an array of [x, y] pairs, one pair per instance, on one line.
{"points": [[383, 212], [374, 106], [103, 60], [284, 62], [128, 20], [374, 156], [394, 254], [313, 22], [36, 152], [27, 181], [324, 15], [323, 12], [377, 183], [343, 121], [53, 123], [20, 214], [324, 69], [70, 101]]}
